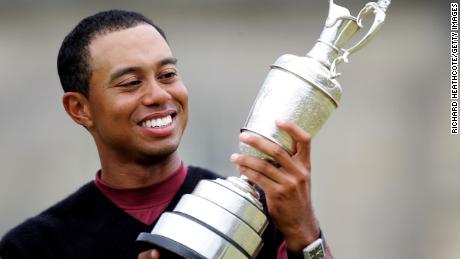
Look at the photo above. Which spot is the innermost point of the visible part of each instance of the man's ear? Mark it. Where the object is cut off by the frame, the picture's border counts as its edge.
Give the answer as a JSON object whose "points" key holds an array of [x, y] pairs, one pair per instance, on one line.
{"points": [[77, 106]]}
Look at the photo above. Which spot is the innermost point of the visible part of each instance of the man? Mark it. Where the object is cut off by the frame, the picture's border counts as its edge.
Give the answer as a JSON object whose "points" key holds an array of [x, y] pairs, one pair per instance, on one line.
{"points": [[121, 83]]}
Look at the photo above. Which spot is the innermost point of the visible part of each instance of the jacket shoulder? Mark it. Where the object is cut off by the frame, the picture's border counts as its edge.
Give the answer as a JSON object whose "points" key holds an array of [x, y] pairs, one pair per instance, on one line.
{"points": [[34, 237]]}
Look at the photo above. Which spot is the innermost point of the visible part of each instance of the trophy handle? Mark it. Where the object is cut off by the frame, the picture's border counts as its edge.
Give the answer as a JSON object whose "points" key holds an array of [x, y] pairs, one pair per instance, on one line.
{"points": [[378, 21], [378, 9]]}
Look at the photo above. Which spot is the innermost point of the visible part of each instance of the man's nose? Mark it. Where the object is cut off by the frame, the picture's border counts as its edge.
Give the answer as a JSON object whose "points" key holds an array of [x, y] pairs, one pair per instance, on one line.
{"points": [[155, 93]]}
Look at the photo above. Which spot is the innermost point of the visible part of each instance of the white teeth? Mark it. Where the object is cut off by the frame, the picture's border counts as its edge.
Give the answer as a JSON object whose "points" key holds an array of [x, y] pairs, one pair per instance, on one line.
{"points": [[156, 123]]}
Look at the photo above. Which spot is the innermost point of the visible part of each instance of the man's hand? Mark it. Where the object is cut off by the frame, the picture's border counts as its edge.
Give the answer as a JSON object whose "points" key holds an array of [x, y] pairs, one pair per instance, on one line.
{"points": [[287, 188], [150, 254]]}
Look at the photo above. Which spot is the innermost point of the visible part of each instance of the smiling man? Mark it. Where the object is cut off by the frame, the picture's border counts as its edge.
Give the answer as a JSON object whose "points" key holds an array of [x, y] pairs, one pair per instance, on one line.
{"points": [[136, 108], [121, 84]]}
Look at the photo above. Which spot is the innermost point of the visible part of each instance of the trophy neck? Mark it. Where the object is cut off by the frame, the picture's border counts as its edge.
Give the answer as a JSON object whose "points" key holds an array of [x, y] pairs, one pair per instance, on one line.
{"points": [[324, 53], [338, 30]]}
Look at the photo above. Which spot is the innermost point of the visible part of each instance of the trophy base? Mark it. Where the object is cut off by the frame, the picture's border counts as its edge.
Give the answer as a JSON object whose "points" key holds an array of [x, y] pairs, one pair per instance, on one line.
{"points": [[168, 248], [220, 219]]}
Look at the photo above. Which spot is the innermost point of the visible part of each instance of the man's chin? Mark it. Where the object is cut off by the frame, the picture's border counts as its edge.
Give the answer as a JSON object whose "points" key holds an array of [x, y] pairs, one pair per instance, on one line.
{"points": [[157, 155]]}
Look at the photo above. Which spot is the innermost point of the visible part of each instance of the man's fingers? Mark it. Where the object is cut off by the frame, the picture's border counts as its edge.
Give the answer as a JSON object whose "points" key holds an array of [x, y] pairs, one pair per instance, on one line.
{"points": [[301, 138], [259, 165], [271, 149], [259, 179], [150, 254]]}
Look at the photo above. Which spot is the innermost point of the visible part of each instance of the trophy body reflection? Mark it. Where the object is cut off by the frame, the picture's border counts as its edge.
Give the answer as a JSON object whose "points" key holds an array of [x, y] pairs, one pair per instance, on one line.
{"points": [[224, 218]]}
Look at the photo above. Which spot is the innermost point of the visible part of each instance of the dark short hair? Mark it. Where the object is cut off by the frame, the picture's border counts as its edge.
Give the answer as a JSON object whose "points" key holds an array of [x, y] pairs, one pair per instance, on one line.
{"points": [[73, 64]]}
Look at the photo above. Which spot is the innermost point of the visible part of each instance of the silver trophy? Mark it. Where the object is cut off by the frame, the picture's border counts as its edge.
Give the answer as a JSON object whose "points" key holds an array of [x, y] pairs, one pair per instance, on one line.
{"points": [[224, 218]]}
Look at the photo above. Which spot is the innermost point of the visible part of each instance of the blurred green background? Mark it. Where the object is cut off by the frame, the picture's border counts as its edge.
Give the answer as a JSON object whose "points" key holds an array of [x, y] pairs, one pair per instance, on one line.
{"points": [[386, 170]]}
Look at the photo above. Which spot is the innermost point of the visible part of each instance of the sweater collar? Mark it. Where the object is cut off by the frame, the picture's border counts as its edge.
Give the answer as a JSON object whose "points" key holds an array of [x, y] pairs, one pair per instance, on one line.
{"points": [[144, 197]]}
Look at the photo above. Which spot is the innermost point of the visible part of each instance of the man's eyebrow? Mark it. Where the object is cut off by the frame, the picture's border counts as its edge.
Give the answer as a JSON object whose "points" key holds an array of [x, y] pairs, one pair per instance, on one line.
{"points": [[168, 61]]}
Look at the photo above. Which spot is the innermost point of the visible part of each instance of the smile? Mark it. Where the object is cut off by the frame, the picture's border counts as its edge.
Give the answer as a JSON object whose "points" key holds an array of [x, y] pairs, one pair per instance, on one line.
{"points": [[158, 122]]}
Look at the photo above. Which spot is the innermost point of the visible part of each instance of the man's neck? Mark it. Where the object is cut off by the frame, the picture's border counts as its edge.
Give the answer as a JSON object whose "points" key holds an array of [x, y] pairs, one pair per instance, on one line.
{"points": [[131, 174]]}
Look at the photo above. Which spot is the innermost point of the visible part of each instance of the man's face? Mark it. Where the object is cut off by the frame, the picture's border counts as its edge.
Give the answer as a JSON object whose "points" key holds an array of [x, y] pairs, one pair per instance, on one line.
{"points": [[138, 103]]}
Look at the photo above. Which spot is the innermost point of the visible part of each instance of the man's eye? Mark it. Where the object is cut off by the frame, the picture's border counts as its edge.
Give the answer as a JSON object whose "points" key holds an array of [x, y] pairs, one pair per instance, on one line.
{"points": [[131, 83], [168, 75]]}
